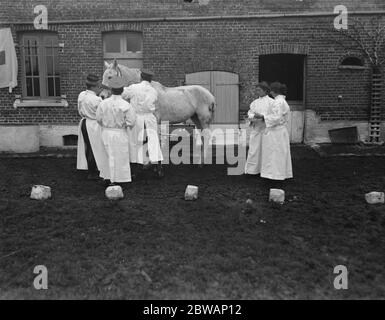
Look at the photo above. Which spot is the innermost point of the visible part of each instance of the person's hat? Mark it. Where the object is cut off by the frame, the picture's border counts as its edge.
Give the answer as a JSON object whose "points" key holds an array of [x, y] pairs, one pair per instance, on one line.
{"points": [[147, 73], [92, 80], [117, 82]]}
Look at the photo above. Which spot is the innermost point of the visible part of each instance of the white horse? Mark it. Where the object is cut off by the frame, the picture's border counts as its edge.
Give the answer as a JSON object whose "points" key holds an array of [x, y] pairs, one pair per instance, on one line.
{"points": [[174, 104]]}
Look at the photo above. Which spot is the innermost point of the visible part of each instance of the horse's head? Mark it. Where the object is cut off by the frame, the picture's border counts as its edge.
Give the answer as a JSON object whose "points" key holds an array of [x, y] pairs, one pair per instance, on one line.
{"points": [[129, 76], [111, 70]]}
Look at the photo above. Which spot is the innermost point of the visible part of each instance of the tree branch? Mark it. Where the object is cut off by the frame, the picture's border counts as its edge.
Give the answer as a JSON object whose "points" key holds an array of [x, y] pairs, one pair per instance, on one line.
{"points": [[370, 42]]}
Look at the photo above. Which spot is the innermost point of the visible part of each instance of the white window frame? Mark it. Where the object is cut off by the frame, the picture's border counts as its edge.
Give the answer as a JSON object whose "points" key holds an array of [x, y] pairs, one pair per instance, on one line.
{"points": [[123, 54], [38, 101]]}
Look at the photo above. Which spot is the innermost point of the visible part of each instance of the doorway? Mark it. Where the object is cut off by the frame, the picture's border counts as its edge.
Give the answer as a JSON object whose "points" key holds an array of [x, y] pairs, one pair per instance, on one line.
{"points": [[289, 69]]}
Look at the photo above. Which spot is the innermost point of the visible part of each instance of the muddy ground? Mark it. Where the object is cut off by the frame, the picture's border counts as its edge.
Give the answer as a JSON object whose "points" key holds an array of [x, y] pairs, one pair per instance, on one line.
{"points": [[155, 245]]}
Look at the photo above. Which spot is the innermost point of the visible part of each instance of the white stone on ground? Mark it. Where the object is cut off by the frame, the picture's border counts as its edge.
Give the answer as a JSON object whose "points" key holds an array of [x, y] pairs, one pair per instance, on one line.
{"points": [[191, 193], [375, 197], [40, 192], [114, 192], [277, 195]]}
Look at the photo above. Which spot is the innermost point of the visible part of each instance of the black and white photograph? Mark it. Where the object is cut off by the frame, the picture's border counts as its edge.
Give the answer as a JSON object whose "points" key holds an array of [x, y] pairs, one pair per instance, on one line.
{"points": [[193, 155]]}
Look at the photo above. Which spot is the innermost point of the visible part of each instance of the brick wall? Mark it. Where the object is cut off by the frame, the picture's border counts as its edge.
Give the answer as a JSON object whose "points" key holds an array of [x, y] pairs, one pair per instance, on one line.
{"points": [[173, 49]]}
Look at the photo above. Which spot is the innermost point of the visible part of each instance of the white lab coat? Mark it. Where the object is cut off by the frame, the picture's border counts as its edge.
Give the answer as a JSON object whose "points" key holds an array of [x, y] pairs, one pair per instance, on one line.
{"points": [[254, 156], [142, 97], [88, 103], [276, 156], [8, 60], [116, 143], [114, 116]]}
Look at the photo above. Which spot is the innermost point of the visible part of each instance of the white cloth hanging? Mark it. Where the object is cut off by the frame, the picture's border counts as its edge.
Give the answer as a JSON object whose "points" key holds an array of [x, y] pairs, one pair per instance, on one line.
{"points": [[8, 60]]}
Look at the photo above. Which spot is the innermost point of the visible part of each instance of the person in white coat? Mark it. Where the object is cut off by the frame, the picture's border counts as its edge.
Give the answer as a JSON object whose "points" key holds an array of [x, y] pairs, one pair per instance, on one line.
{"points": [[257, 127], [115, 115], [142, 97], [91, 154], [276, 156]]}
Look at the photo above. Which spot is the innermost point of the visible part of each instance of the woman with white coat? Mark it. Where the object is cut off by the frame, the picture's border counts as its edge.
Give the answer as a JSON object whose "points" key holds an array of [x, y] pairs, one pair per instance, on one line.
{"points": [[257, 127], [115, 115], [276, 157], [91, 154], [142, 97]]}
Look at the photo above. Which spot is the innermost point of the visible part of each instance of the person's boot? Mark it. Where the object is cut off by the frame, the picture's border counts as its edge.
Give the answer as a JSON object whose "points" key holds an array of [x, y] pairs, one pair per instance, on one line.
{"points": [[106, 183]]}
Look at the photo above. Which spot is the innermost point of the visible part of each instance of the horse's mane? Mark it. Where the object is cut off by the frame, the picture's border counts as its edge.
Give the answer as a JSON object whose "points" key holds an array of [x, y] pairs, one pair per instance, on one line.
{"points": [[158, 85], [123, 67]]}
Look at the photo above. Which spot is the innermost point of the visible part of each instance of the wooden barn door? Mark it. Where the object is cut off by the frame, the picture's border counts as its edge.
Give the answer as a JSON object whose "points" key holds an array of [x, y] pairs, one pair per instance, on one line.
{"points": [[225, 88]]}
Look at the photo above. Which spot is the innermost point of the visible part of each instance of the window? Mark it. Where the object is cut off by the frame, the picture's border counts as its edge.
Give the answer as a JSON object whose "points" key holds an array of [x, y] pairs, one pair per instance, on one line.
{"points": [[125, 47], [353, 62], [39, 62], [70, 140]]}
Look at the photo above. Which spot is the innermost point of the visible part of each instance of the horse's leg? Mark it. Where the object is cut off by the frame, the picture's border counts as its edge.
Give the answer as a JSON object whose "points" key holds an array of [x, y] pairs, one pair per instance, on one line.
{"points": [[206, 133], [205, 120], [203, 135], [198, 137]]}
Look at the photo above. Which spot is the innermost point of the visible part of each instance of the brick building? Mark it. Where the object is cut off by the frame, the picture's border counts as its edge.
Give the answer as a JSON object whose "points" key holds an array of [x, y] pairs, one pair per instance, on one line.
{"points": [[182, 41]]}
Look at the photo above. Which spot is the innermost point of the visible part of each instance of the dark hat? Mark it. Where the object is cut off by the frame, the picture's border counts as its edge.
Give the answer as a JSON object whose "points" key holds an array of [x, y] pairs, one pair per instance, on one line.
{"points": [[92, 80], [148, 73], [117, 82]]}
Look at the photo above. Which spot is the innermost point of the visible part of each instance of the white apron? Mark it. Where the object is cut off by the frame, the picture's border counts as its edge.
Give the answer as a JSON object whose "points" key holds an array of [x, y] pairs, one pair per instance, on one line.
{"points": [[254, 156], [116, 144], [276, 157], [94, 135], [146, 125]]}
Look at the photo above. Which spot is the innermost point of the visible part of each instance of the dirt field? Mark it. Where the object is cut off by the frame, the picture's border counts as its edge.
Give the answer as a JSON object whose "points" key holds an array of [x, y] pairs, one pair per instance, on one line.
{"points": [[154, 245]]}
